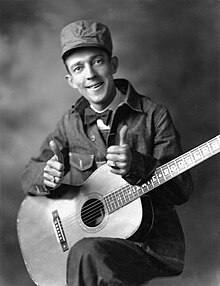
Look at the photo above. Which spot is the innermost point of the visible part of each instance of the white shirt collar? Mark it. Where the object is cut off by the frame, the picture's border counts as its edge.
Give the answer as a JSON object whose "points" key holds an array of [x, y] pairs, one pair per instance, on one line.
{"points": [[118, 99]]}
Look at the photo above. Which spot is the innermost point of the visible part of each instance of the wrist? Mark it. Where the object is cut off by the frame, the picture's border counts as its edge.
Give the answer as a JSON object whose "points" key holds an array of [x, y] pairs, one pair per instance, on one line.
{"points": [[39, 190]]}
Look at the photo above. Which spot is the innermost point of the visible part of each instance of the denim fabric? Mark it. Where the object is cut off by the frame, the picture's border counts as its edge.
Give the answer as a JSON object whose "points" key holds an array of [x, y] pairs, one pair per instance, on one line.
{"points": [[153, 140], [101, 261]]}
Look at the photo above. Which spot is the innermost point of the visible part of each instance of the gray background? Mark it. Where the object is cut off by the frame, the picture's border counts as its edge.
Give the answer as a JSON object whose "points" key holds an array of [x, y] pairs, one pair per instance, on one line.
{"points": [[169, 50]]}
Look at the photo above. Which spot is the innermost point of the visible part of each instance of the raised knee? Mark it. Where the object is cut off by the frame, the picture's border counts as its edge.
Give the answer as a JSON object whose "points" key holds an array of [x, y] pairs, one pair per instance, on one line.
{"points": [[84, 246]]}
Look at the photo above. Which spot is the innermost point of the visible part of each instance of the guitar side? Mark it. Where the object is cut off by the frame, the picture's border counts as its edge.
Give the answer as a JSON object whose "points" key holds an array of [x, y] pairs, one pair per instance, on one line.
{"points": [[40, 241]]}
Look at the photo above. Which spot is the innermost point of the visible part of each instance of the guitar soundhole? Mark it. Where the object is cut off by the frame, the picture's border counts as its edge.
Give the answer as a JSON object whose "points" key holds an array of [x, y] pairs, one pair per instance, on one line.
{"points": [[92, 212]]}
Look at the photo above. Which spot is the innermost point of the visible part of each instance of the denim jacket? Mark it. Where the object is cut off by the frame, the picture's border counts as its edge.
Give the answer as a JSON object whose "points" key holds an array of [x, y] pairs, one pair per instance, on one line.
{"points": [[153, 140]]}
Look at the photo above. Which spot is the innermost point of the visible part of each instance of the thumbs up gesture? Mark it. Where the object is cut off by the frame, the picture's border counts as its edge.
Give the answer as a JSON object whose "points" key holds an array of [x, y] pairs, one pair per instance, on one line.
{"points": [[54, 169], [119, 157]]}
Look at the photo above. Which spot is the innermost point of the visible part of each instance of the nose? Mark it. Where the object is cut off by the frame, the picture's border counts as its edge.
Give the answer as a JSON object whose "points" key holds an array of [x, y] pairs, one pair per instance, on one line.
{"points": [[90, 72]]}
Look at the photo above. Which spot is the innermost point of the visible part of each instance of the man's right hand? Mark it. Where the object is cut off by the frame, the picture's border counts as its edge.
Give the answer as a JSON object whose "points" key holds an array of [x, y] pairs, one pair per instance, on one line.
{"points": [[54, 169]]}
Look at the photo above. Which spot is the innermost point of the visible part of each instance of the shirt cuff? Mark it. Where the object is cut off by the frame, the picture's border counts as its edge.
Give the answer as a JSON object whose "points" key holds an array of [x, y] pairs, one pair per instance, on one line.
{"points": [[142, 168], [38, 190]]}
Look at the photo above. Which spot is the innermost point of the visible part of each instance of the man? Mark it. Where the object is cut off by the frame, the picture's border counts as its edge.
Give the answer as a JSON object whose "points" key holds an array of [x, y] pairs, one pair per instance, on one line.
{"points": [[111, 123]]}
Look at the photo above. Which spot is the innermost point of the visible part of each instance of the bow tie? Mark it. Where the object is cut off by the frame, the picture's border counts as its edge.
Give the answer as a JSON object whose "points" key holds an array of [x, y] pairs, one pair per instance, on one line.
{"points": [[91, 116]]}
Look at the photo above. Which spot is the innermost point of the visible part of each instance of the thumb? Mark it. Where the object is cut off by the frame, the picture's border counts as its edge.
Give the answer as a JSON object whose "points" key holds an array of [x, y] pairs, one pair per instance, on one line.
{"points": [[55, 149], [122, 136]]}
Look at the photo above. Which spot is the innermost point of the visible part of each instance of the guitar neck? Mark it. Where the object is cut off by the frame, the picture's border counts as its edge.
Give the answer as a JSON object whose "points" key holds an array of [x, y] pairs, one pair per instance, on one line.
{"points": [[162, 174]]}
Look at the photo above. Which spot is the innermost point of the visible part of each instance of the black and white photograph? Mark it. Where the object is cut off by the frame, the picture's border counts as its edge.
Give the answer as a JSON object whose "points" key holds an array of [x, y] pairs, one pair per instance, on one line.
{"points": [[109, 143]]}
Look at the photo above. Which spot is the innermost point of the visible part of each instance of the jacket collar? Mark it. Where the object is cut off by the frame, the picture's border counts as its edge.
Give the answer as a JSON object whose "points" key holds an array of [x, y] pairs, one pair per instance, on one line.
{"points": [[131, 97]]}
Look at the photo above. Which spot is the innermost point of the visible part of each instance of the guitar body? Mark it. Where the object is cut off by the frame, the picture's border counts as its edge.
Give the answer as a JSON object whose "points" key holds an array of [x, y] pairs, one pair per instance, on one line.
{"points": [[48, 227]]}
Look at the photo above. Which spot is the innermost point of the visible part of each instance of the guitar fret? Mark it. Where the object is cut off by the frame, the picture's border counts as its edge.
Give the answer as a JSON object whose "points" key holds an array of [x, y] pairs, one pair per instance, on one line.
{"points": [[106, 203], [111, 203], [120, 197], [206, 150], [130, 194], [166, 172], [200, 152], [160, 175], [123, 195], [214, 145], [196, 155], [173, 167], [154, 181], [188, 159], [114, 206], [169, 170], [145, 188], [136, 191], [127, 194], [150, 185], [141, 191], [117, 199]]}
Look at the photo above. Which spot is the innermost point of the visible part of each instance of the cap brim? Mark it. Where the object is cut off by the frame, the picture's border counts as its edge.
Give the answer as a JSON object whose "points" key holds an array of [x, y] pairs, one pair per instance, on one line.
{"points": [[82, 45]]}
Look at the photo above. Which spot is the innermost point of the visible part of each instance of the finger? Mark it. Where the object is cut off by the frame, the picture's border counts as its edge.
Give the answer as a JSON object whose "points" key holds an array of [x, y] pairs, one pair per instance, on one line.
{"points": [[116, 157], [48, 177], [50, 184], [112, 164], [55, 149], [122, 136], [54, 165], [116, 149], [53, 173], [117, 171]]}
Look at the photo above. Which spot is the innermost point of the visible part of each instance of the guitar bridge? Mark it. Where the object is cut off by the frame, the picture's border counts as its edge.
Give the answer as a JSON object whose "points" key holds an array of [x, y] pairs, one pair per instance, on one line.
{"points": [[59, 231]]}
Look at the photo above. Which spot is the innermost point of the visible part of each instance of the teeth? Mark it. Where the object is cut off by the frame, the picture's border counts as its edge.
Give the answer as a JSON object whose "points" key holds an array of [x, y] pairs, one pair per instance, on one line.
{"points": [[95, 86]]}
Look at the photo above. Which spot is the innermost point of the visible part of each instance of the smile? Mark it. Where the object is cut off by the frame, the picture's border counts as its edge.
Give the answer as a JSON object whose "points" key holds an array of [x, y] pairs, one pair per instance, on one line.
{"points": [[95, 86]]}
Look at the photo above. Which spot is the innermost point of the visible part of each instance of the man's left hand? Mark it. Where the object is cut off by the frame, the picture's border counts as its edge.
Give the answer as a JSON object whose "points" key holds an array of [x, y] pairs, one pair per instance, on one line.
{"points": [[119, 157]]}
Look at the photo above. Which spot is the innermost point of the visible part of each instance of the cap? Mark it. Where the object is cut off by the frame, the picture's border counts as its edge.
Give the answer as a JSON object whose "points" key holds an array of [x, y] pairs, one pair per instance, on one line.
{"points": [[85, 33]]}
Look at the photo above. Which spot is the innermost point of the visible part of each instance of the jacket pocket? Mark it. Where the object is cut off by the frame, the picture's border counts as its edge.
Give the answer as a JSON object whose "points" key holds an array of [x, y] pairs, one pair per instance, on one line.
{"points": [[82, 162]]}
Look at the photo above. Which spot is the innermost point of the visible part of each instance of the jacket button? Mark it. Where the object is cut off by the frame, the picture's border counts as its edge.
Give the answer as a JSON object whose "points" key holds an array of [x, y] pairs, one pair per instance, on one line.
{"points": [[92, 137]]}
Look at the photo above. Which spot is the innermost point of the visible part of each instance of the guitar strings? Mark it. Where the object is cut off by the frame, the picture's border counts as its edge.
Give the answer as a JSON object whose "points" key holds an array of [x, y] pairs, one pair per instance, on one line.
{"points": [[117, 203], [115, 200], [94, 208], [88, 213], [92, 219], [88, 219]]}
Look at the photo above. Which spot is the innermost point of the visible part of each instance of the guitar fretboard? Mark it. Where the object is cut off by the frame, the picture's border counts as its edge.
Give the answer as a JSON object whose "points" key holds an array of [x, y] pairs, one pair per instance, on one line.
{"points": [[162, 174]]}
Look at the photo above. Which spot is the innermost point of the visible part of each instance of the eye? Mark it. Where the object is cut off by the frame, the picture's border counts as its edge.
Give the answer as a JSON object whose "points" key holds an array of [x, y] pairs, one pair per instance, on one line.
{"points": [[77, 69], [98, 61]]}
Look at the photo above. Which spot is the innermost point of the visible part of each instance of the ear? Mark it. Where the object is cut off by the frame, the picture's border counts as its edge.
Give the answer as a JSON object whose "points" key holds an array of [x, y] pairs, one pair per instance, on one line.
{"points": [[70, 81], [114, 64]]}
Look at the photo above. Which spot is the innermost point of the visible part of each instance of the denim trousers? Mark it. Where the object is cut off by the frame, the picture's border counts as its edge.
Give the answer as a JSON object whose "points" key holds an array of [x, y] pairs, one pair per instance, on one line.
{"points": [[111, 261]]}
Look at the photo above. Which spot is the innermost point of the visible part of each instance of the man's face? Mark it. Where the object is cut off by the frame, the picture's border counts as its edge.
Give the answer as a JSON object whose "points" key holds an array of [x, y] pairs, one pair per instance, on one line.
{"points": [[91, 72]]}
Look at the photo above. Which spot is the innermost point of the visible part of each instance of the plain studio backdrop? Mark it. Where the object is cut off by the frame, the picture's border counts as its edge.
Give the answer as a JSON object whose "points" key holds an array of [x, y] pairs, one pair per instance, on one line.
{"points": [[169, 50]]}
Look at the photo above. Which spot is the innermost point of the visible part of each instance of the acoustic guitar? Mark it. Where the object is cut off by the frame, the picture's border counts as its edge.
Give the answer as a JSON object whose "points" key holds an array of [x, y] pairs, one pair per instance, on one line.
{"points": [[105, 205]]}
